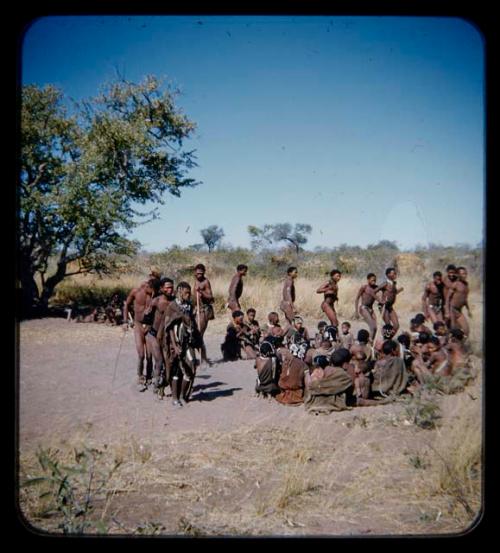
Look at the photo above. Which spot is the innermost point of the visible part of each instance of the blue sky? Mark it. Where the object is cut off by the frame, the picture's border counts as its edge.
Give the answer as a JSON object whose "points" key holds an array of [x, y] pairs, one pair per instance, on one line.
{"points": [[367, 128]]}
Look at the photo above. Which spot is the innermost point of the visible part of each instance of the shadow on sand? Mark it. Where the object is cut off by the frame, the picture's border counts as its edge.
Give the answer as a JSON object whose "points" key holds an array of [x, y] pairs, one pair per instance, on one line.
{"points": [[214, 394]]}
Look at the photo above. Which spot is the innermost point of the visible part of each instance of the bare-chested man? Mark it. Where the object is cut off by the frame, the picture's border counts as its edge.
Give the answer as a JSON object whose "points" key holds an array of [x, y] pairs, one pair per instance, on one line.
{"points": [[448, 281], [288, 301], [457, 299], [236, 288], [155, 336], [140, 298], [390, 291], [330, 289], [204, 305], [367, 296], [433, 298]]}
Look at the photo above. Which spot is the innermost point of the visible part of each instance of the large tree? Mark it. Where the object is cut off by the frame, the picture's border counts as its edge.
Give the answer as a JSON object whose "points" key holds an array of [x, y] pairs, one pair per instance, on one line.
{"points": [[212, 235], [280, 232], [84, 174]]}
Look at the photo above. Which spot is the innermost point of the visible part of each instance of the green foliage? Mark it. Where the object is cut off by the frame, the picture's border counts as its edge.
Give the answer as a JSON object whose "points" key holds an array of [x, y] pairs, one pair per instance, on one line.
{"points": [[422, 409], [279, 232], [68, 492], [82, 175], [212, 235]]}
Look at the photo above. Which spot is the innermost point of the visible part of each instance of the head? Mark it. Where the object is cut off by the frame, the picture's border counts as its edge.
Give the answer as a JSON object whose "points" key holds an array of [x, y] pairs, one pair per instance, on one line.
{"points": [[273, 318], [462, 273], [404, 340], [267, 348], [298, 323], [340, 357], [325, 344], [413, 325], [237, 316], [419, 319], [423, 337], [251, 313], [451, 272], [390, 348], [199, 271], [457, 335], [335, 275], [440, 328], [437, 277], [242, 269], [167, 286], [433, 344], [371, 279], [292, 272], [360, 356], [363, 336], [321, 326], [390, 273], [388, 331], [183, 291], [320, 361], [345, 327], [152, 286], [330, 333]]}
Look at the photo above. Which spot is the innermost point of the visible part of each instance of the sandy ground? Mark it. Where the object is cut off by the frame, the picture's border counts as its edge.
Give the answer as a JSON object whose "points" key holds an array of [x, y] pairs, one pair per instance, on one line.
{"points": [[78, 381]]}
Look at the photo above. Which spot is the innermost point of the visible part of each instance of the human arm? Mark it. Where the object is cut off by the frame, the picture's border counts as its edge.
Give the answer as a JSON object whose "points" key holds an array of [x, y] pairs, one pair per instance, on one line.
{"points": [[425, 302], [323, 288], [126, 307], [356, 302]]}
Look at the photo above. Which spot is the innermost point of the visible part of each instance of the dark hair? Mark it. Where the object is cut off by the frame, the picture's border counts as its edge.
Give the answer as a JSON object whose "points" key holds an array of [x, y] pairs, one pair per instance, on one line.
{"points": [[435, 340], [266, 349], [184, 285], [200, 266], [340, 356], [388, 326], [370, 275], [273, 313], [451, 267], [237, 313], [388, 270], [389, 346], [347, 323], [437, 273], [457, 333], [424, 337], [154, 283], [241, 267], [330, 333], [419, 318], [413, 321], [251, 310], [335, 272], [404, 339], [290, 270], [438, 324], [322, 324], [320, 361], [164, 280], [363, 335]]}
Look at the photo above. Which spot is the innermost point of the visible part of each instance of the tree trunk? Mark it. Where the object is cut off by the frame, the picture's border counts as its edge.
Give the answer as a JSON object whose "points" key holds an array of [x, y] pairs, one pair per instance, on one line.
{"points": [[51, 283]]}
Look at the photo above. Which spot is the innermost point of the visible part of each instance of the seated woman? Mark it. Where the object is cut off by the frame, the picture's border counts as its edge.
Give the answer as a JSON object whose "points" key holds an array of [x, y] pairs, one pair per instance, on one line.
{"points": [[268, 369], [238, 340]]}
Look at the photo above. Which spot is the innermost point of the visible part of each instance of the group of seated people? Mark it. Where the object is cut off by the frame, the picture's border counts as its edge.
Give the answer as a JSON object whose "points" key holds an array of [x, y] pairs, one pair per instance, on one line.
{"points": [[335, 371], [110, 313]]}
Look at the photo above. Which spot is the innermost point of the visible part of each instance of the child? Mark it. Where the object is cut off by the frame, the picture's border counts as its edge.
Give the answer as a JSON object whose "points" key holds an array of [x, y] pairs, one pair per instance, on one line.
{"points": [[346, 337], [255, 332]]}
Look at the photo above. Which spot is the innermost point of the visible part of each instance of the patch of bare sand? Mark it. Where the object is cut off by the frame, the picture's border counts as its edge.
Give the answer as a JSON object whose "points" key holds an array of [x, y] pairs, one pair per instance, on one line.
{"points": [[228, 463]]}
